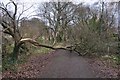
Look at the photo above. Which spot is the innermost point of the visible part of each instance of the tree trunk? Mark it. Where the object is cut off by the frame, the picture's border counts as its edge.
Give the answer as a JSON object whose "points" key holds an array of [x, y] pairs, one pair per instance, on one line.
{"points": [[15, 51]]}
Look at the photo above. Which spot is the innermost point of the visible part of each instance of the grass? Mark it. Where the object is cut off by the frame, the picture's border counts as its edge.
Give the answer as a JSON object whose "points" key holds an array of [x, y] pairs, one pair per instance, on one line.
{"points": [[114, 60], [7, 64], [43, 50]]}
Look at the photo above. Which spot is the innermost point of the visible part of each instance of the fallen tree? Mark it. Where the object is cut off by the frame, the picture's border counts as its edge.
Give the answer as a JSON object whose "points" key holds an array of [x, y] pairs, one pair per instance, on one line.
{"points": [[69, 48], [10, 24]]}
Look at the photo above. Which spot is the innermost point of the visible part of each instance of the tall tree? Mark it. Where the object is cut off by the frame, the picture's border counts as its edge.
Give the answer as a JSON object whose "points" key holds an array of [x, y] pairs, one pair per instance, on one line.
{"points": [[57, 15], [10, 24]]}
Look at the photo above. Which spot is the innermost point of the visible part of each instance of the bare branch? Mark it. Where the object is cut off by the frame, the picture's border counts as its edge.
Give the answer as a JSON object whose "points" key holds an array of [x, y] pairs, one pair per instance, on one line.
{"points": [[7, 30], [5, 9], [14, 15], [23, 12]]}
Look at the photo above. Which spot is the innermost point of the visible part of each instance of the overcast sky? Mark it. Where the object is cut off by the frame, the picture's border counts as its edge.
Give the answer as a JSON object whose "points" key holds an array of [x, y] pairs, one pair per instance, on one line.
{"points": [[31, 11], [38, 1]]}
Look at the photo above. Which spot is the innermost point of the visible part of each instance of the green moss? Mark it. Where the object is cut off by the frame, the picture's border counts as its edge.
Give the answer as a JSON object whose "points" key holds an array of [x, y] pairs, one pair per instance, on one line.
{"points": [[7, 64]]}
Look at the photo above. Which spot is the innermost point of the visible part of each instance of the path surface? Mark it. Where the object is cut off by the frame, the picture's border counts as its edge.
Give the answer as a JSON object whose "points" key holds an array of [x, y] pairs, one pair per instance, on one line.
{"points": [[67, 65], [62, 64]]}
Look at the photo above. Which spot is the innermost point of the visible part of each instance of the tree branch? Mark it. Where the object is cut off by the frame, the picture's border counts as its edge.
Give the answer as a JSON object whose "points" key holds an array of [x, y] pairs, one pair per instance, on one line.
{"points": [[5, 9], [7, 30], [68, 48]]}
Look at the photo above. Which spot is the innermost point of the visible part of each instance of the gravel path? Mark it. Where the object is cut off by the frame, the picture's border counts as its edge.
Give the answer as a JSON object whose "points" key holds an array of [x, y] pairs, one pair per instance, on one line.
{"points": [[58, 64], [67, 65]]}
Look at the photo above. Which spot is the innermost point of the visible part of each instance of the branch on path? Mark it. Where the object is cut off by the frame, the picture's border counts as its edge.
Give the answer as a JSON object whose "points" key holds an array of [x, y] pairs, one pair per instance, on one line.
{"points": [[68, 48], [38, 44]]}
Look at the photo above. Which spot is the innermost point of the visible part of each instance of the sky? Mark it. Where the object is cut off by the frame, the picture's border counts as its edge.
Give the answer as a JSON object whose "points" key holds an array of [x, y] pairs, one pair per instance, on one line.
{"points": [[31, 11], [38, 1]]}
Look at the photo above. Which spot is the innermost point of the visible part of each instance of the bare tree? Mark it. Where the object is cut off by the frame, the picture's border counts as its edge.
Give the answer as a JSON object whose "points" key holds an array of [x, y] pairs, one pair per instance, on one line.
{"points": [[10, 24], [58, 15]]}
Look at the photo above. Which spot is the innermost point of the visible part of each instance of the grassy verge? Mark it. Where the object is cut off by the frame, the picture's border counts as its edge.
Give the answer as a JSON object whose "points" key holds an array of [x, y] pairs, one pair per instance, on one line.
{"points": [[112, 60], [8, 64]]}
